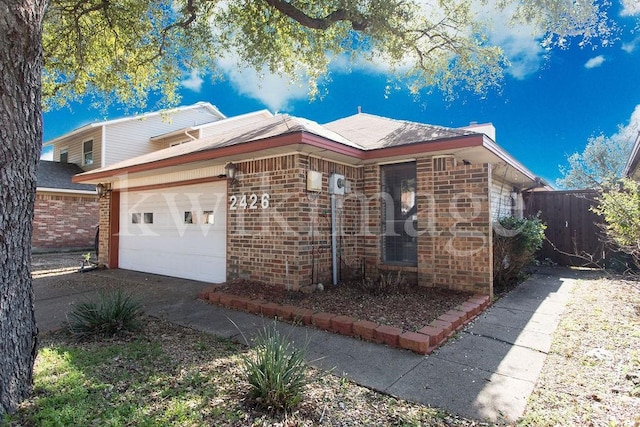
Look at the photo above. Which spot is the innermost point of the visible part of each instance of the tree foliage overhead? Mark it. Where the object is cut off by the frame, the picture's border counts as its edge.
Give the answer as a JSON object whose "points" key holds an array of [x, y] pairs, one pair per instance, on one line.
{"points": [[123, 49], [600, 165]]}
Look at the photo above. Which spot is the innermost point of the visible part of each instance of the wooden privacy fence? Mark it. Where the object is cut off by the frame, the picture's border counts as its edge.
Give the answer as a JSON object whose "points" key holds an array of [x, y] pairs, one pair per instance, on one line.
{"points": [[572, 231]]}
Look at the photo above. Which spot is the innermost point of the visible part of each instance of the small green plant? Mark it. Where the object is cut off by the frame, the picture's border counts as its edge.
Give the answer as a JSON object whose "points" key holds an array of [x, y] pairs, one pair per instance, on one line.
{"points": [[620, 207], [515, 242], [115, 312], [276, 371]]}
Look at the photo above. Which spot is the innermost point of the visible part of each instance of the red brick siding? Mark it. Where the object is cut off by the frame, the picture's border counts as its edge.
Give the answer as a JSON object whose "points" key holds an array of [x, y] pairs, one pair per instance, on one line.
{"points": [[455, 248], [105, 228], [371, 235], [64, 221], [276, 245]]}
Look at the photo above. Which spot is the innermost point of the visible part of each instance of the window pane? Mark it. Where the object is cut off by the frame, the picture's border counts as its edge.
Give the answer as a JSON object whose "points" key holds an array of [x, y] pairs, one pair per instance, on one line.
{"points": [[135, 218], [87, 152], [207, 217], [64, 156], [399, 214], [148, 217], [188, 217]]}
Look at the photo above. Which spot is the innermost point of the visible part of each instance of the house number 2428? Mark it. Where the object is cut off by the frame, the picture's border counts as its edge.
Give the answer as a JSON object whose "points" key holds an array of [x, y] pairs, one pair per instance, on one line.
{"points": [[251, 201]]}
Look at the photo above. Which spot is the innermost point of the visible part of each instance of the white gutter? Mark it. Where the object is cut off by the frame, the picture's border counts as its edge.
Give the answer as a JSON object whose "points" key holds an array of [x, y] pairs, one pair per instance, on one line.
{"points": [[67, 190]]}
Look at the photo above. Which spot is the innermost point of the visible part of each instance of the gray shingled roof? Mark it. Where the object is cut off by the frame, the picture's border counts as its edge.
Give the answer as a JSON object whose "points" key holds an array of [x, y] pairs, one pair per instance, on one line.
{"points": [[226, 133], [374, 132], [58, 175]]}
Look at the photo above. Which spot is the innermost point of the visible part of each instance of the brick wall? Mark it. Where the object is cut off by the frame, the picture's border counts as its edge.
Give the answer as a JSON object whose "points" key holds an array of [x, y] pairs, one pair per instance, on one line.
{"points": [[455, 245], [289, 243], [371, 235], [104, 204], [64, 221]]}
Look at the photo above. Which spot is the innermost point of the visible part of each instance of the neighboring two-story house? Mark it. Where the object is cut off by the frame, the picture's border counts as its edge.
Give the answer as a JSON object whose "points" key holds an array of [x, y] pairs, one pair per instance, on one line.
{"points": [[66, 215]]}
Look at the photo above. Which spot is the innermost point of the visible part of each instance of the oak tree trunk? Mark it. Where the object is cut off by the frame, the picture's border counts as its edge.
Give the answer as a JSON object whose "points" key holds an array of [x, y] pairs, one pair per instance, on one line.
{"points": [[20, 143]]}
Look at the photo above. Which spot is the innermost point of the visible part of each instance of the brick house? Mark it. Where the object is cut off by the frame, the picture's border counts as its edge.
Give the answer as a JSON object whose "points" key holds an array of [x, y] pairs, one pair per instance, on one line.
{"points": [[66, 214], [287, 201]]}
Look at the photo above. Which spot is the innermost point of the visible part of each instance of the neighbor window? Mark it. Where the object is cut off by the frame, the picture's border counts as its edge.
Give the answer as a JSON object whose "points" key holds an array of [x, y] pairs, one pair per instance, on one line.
{"points": [[188, 218], [148, 217], [136, 218], [87, 152], [399, 214], [64, 155]]}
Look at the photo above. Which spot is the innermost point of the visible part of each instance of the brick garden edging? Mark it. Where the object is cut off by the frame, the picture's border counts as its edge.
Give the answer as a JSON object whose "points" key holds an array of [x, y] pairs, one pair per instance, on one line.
{"points": [[424, 341]]}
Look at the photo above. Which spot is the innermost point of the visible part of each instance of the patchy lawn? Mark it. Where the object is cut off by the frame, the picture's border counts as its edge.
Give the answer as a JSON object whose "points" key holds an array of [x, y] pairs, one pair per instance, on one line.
{"points": [[592, 374], [170, 375]]}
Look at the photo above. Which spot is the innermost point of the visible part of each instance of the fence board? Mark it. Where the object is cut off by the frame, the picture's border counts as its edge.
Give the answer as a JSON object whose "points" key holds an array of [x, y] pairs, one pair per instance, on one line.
{"points": [[572, 229]]}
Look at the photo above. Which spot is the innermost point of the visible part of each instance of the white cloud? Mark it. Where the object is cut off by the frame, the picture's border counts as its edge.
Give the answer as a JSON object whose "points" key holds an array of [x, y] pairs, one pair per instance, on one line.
{"points": [[629, 132], [630, 7], [631, 46], [523, 50], [193, 82], [595, 62], [274, 91], [521, 43], [47, 153]]}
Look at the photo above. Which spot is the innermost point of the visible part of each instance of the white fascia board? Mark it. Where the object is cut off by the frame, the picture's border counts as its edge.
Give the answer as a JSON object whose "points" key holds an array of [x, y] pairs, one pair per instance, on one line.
{"points": [[490, 145]]}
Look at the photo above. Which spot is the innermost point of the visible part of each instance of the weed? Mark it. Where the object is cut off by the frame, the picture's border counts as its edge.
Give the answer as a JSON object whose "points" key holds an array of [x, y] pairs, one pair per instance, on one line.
{"points": [[277, 373], [113, 314]]}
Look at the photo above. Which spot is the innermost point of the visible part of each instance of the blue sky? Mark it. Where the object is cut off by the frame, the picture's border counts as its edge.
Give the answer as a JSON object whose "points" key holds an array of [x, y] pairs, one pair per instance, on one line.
{"points": [[549, 105]]}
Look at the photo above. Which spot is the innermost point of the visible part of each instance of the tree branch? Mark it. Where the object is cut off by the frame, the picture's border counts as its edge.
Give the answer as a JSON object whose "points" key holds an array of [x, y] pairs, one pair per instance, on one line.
{"points": [[359, 22]]}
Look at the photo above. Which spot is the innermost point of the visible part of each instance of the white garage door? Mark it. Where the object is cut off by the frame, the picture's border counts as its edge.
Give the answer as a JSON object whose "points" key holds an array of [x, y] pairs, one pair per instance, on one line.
{"points": [[176, 231]]}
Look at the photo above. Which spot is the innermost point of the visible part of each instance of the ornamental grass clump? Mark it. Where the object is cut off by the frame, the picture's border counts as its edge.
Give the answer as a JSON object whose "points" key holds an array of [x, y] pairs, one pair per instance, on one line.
{"points": [[115, 313], [276, 371]]}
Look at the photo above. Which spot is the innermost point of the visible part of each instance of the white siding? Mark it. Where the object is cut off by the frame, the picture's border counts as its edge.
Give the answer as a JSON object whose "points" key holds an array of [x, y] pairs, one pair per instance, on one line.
{"points": [[502, 202], [130, 138], [74, 146]]}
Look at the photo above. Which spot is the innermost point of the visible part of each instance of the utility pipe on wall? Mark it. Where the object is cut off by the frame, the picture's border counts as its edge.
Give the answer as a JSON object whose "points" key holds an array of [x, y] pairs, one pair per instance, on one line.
{"points": [[334, 243]]}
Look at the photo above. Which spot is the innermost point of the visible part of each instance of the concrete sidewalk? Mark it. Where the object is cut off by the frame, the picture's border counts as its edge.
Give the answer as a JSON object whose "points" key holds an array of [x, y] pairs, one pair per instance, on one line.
{"points": [[487, 372]]}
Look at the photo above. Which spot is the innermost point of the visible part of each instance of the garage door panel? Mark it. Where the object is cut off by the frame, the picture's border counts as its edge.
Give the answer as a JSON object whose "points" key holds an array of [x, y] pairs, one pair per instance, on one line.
{"points": [[163, 243]]}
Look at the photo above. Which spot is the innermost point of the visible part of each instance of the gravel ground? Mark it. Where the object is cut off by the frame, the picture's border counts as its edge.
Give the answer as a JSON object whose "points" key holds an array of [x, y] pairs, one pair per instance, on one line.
{"points": [[406, 307]]}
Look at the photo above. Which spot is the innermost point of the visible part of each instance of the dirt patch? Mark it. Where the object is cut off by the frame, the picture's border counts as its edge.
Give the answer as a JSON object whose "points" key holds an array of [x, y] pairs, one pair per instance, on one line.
{"points": [[410, 308]]}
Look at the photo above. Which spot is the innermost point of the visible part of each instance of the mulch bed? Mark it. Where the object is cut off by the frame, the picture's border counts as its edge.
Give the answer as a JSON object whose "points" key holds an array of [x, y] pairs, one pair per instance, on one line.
{"points": [[409, 308]]}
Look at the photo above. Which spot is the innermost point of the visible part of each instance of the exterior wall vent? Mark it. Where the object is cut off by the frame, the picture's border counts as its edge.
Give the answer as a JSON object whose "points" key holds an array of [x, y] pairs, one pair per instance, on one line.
{"points": [[440, 163]]}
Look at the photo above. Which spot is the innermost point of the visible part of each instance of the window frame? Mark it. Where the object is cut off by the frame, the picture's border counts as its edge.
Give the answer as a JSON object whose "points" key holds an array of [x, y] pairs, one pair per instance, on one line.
{"points": [[397, 245], [64, 151], [85, 152]]}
